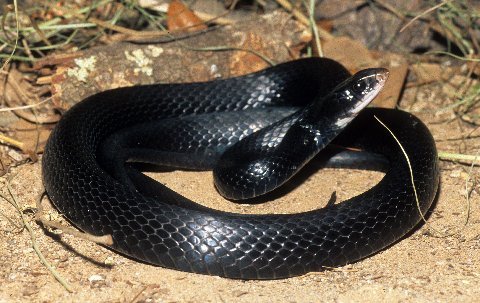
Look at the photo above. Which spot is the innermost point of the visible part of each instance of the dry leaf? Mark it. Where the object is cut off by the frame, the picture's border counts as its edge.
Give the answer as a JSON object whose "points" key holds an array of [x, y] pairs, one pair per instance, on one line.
{"points": [[351, 53], [180, 16], [390, 94], [398, 67], [355, 56]]}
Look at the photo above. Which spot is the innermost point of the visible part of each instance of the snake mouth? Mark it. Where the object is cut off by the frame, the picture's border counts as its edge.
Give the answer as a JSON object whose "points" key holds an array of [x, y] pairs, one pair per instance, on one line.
{"points": [[382, 76]]}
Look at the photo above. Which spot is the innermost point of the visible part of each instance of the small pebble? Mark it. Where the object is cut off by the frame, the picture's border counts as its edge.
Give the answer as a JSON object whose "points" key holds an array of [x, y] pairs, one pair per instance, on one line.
{"points": [[109, 261], [96, 278]]}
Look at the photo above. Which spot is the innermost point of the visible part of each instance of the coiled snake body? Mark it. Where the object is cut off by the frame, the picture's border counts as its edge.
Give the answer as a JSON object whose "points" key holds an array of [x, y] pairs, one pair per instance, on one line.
{"points": [[88, 175]]}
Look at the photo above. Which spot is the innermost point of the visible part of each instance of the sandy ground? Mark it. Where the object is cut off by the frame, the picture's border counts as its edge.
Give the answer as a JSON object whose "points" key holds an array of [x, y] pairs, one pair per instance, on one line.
{"points": [[419, 268]]}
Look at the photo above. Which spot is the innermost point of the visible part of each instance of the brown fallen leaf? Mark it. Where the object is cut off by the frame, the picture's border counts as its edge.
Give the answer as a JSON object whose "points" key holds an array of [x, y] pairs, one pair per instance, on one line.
{"points": [[179, 16], [398, 67], [390, 94], [355, 56], [351, 53]]}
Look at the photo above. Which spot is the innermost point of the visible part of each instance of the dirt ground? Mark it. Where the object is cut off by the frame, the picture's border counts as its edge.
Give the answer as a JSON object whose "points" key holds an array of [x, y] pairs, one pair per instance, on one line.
{"points": [[419, 268]]}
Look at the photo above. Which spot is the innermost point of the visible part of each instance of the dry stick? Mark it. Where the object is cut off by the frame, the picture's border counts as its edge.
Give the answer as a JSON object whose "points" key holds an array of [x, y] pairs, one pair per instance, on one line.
{"points": [[10, 141], [156, 34], [16, 37], [409, 167], [439, 233], [452, 55], [126, 31], [223, 48], [295, 12], [138, 36], [26, 116], [461, 158], [27, 50], [11, 221], [20, 145], [423, 14], [150, 34], [467, 190], [35, 247], [304, 20], [39, 217], [8, 109], [21, 95], [434, 26], [314, 28], [40, 33]]}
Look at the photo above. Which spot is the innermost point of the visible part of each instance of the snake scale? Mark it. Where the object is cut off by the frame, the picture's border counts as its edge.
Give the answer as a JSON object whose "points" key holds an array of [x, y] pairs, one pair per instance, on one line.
{"points": [[254, 131]]}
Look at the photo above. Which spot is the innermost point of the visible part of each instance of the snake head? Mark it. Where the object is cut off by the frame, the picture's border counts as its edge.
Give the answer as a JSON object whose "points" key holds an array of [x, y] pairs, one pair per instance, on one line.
{"points": [[364, 86], [354, 94]]}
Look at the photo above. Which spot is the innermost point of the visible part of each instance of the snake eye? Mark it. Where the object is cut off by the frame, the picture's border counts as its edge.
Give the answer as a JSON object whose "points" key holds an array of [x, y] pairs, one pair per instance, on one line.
{"points": [[362, 86]]}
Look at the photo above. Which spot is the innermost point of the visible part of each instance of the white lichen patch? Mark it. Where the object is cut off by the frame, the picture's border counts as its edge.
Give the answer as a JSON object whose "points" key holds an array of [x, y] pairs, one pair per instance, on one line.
{"points": [[154, 51], [84, 67], [141, 60]]}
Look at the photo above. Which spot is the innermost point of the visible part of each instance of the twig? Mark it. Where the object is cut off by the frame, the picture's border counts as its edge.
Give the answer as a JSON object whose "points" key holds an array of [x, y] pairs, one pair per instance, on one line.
{"points": [[431, 9], [467, 191], [453, 56], [35, 247], [40, 33], [433, 25], [126, 31], [409, 167], [16, 37], [19, 228], [8, 109], [27, 50], [230, 48], [407, 158], [314, 28], [143, 36], [295, 12], [7, 140], [461, 158], [39, 217], [302, 19], [59, 27]]}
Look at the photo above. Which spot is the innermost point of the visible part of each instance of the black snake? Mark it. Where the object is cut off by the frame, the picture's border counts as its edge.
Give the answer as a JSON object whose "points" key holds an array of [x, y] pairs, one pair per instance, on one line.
{"points": [[284, 115]]}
